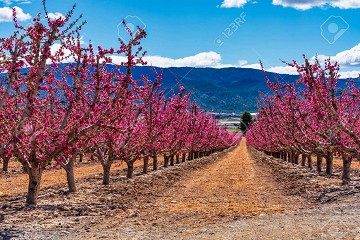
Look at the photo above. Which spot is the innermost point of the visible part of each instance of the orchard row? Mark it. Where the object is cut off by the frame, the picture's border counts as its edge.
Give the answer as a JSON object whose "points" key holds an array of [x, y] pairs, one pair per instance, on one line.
{"points": [[60, 98], [316, 116]]}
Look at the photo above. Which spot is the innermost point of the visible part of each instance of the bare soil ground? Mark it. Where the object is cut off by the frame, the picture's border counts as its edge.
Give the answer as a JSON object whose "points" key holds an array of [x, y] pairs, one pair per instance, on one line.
{"points": [[13, 182], [236, 194]]}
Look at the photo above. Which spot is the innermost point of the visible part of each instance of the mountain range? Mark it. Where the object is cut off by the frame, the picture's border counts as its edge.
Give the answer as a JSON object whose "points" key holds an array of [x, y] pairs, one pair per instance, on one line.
{"points": [[225, 90]]}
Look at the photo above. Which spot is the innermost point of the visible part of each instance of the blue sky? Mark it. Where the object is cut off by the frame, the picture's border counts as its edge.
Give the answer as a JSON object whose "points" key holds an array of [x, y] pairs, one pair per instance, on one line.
{"points": [[196, 32]]}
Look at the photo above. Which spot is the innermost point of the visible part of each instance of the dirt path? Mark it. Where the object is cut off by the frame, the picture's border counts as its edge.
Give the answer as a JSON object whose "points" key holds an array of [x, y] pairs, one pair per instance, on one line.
{"points": [[235, 186]]}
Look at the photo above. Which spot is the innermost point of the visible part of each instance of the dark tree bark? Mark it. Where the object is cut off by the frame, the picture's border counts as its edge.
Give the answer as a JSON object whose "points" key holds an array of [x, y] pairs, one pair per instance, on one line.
{"points": [[183, 157], [130, 169], [191, 155], [319, 162], [146, 165], [166, 161], [172, 160], [35, 175], [81, 155], [309, 158], [346, 168], [106, 176], [329, 163], [155, 162], [70, 174], [177, 158], [5, 167], [303, 160], [285, 156], [296, 158]]}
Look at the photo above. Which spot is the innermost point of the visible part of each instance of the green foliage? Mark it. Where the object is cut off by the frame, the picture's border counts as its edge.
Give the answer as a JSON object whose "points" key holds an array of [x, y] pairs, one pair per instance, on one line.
{"points": [[245, 121]]}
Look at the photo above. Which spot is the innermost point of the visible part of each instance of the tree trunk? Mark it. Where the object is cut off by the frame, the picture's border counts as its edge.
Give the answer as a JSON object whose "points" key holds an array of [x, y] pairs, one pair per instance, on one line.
{"points": [[81, 155], [191, 155], [70, 176], [309, 158], [346, 168], [155, 162], [183, 157], [177, 158], [130, 169], [296, 158], [34, 185], [146, 165], [172, 160], [303, 160], [289, 157], [166, 161], [329, 163], [285, 156], [318, 162], [5, 164], [106, 176]]}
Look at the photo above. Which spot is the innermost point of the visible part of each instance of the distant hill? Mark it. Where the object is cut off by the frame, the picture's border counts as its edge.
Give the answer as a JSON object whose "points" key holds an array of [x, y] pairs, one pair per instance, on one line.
{"points": [[224, 90]]}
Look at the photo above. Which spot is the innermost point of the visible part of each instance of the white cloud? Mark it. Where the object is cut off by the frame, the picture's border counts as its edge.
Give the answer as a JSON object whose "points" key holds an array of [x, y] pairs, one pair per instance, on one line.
{"points": [[283, 70], [345, 58], [350, 74], [292, 70], [308, 4], [234, 3], [204, 59], [67, 53], [22, 1], [55, 15], [253, 66], [9, 2], [346, 4], [6, 14]]}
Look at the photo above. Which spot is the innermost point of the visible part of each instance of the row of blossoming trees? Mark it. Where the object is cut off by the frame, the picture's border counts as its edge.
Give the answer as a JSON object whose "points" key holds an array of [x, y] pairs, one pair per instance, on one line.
{"points": [[313, 117], [52, 111]]}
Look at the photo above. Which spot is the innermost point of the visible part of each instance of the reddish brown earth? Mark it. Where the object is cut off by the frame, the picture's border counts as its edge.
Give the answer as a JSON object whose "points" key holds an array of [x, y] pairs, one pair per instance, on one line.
{"points": [[237, 194], [13, 182], [234, 187]]}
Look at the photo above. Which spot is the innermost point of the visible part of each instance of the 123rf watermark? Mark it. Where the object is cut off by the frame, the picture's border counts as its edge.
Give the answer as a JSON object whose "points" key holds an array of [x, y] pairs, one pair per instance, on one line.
{"points": [[333, 28], [232, 28]]}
